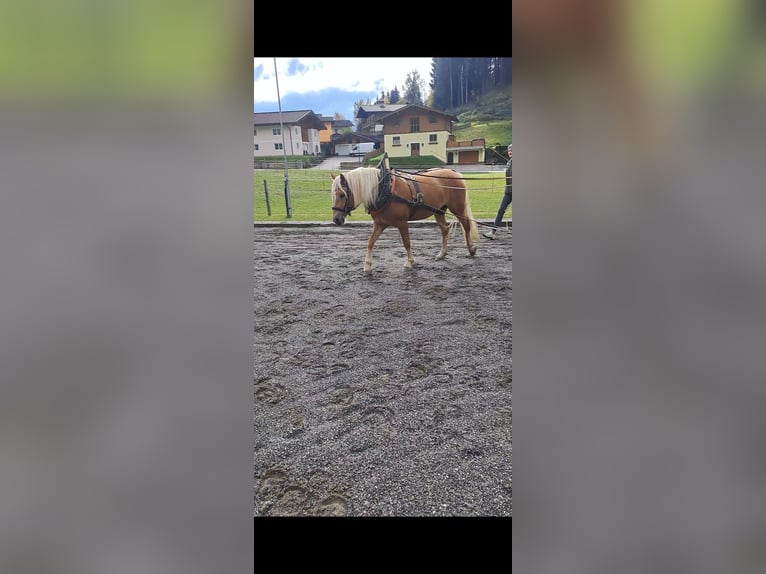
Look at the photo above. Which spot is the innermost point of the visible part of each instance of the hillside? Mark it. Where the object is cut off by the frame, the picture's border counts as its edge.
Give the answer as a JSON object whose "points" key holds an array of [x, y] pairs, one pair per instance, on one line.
{"points": [[489, 117]]}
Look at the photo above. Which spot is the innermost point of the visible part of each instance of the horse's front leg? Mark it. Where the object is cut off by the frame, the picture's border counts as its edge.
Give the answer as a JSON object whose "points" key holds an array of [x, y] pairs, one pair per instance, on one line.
{"points": [[404, 231], [377, 229], [444, 228]]}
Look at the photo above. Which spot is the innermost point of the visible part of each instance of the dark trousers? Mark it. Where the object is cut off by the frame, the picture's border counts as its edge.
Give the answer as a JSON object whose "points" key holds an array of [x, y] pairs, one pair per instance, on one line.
{"points": [[504, 203]]}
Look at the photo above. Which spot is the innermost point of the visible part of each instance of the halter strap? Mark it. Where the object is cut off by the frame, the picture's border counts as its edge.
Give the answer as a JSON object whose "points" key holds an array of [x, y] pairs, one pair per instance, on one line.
{"points": [[349, 205]]}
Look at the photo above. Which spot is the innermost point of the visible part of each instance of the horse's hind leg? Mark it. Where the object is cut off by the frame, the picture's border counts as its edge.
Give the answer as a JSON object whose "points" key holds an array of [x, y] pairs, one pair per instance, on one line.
{"points": [[377, 229], [444, 228], [404, 231], [466, 222]]}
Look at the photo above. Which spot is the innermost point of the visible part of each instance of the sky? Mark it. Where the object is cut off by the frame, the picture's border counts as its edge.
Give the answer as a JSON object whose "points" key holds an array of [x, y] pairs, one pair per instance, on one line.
{"points": [[329, 85]]}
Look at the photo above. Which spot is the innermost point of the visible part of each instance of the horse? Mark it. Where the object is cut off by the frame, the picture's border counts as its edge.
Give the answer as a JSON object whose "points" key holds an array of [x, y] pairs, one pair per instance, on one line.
{"points": [[393, 199]]}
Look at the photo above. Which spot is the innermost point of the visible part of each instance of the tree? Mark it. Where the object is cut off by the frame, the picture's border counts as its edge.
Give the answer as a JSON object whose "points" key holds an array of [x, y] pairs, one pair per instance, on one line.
{"points": [[413, 88], [358, 104], [394, 96], [456, 82], [440, 83], [338, 116]]}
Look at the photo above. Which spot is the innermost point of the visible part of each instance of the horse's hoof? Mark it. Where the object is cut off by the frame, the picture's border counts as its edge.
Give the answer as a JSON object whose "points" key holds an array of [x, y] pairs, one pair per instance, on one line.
{"points": [[472, 250], [440, 257]]}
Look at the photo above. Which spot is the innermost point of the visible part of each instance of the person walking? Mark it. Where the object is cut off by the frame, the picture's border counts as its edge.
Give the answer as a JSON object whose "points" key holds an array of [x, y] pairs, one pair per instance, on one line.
{"points": [[507, 197]]}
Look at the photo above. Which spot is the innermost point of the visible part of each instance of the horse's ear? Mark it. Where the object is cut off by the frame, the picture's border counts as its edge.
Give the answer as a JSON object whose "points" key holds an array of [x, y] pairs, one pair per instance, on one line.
{"points": [[332, 177], [343, 179]]}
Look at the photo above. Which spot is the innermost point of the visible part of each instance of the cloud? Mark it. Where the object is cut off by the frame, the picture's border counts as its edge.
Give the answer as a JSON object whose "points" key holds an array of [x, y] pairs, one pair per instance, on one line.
{"points": [[295, 67], [324, 102], [260, 72], [334, 83]]}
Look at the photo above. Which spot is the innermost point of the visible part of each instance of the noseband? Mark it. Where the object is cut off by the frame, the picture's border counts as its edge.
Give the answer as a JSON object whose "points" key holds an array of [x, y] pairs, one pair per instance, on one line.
{"points": [[348, 206]]}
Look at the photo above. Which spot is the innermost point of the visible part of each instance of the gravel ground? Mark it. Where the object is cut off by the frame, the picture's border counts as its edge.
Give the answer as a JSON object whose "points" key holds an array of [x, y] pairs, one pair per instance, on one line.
{"points": [[386, 394]]}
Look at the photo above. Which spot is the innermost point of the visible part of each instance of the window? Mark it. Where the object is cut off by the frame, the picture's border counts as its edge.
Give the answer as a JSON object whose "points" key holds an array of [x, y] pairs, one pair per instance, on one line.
{"points": [[255, 132], [414, 125], [276, 131], [277, 146], [397, 141], [257, 147], [432, 138]]}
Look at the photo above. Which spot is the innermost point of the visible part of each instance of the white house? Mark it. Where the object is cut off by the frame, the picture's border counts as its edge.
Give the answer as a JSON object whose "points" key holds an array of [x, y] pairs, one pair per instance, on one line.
{"points": [[301, 133]]}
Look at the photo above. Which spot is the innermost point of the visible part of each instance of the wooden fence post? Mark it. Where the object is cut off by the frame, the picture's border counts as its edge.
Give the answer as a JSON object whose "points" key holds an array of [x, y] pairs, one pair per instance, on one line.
{"points": [[266, 192]]}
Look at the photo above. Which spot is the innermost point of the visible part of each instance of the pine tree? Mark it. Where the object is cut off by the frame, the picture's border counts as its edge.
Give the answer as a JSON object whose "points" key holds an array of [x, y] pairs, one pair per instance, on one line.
{"points": [[413, 94]]}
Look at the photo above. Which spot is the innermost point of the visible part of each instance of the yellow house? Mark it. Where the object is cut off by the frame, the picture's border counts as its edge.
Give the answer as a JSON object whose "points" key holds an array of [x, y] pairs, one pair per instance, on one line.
{"points": [[414, 130]]}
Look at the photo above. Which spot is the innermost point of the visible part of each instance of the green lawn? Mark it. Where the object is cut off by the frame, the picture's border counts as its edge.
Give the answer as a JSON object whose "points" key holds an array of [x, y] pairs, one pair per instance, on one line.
{"points": [[494, 132], [310, 195]]}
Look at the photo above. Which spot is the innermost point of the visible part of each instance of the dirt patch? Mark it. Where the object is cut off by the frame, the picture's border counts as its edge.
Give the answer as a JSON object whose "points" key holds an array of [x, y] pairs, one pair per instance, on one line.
{"points": [[386, 394]]}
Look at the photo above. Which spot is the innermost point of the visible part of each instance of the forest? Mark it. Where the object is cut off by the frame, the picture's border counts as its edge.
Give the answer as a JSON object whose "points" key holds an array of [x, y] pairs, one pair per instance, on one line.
{"points": [[454, 83]]}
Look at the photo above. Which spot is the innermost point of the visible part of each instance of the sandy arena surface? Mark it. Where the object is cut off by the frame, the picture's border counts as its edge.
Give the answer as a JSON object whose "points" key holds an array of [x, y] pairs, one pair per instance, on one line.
{"points": [[386, 394]]}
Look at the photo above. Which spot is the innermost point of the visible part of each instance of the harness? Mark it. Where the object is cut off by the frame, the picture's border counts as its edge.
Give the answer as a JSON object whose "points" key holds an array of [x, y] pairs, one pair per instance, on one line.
{"points": [[386, 191]]}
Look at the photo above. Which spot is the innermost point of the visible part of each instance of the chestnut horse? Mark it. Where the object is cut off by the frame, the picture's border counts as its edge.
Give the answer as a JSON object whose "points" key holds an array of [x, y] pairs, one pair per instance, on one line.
{"points": [[408, 197]]}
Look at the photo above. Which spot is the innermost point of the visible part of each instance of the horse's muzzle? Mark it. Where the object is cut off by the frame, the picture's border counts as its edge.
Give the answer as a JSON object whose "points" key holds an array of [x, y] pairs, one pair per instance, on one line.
{"points": [[338, 220]]}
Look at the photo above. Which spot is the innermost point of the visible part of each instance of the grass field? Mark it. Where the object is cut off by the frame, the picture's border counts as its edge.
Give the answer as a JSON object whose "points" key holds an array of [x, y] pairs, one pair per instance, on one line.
{"points": [[494, 132], [310, 195]]}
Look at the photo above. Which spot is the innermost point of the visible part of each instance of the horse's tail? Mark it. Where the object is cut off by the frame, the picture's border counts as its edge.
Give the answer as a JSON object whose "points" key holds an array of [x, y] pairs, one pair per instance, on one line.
{"points": [[469, 214]]}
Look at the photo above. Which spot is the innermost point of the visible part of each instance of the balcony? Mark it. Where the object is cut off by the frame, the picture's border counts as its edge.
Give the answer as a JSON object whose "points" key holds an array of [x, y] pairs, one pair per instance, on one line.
{"points": [[464, 145]]}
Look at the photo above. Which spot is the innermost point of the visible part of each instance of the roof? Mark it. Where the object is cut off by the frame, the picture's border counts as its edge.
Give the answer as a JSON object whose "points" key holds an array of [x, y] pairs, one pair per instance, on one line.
{"points": [[426, 109], [337, 123], [304, 118], [353, 137], [368, 110]]}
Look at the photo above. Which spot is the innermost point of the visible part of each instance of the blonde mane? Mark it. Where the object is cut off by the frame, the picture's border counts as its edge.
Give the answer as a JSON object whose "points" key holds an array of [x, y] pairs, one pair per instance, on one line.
{"points": [[363, 182]]}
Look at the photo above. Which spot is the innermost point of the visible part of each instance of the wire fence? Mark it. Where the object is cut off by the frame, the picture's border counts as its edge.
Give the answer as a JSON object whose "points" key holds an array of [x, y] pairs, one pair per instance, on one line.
{"points": [[309, 191]]}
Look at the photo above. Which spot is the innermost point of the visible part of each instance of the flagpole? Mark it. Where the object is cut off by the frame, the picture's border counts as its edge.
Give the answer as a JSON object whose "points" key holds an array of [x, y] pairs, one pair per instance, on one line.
{"points": [[288, 205]]}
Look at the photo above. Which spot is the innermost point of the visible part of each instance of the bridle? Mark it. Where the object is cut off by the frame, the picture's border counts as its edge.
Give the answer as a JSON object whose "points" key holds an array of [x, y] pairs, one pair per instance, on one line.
{"points": [[348, 206]]}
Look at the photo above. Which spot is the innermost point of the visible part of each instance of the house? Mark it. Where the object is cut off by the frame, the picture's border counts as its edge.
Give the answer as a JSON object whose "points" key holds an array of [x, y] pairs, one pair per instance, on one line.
{"points": [[371, 113], [300, 137], [334, 129], [415, 130]]}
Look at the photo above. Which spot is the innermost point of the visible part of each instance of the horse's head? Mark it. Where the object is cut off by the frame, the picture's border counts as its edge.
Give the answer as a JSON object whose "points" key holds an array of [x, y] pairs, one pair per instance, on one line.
{"points": [[342, 200]]}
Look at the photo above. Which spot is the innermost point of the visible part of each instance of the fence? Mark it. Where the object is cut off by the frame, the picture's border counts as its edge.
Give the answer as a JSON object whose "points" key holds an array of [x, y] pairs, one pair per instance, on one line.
{"points": [[277, 164], [310, 194]]}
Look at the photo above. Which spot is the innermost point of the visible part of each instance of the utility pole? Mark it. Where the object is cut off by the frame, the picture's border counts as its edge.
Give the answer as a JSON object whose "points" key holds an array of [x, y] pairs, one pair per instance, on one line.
{"points": [[288, 205]]}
